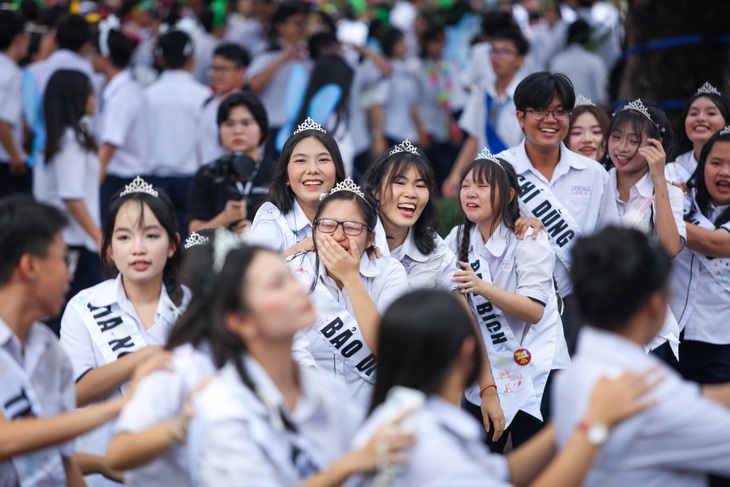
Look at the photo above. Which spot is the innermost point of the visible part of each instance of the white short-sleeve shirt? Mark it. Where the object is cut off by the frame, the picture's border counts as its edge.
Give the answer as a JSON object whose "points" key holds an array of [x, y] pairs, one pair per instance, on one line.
{"points": [[175, 103], [72, 174], [125, 125], [11, 103], [435, 270], [681, 170], [672, 444], [239, 446], [700, 304], [449, 450], [210, 146], [266, 231], [399, 98], [582, 187], [51, 375]]}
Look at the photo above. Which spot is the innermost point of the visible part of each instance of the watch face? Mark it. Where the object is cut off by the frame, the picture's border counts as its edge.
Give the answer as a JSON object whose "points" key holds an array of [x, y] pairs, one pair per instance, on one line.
{"points": [[597, 434]]}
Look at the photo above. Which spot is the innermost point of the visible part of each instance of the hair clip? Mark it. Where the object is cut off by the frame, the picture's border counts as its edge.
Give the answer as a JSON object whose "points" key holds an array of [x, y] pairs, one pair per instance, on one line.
{"points": [[309, 124], [346, 185], [637, 106], [582, 100], [488, 156], [707, 89], [224, 242], [195, 239], [106, 26], [139, 186], [404, 146], [725, 131]]}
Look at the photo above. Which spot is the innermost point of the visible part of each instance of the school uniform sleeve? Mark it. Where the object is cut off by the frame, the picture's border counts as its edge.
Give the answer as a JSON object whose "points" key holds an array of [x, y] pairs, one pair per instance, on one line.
{"points": [[10, 99], [267, 233], [259, 63], [676, 201], [76, 342], [449, 265], [157, 398], [472, 118], [120, 113], [395, 285], [200, 197], [534, 264], [70, 165]]}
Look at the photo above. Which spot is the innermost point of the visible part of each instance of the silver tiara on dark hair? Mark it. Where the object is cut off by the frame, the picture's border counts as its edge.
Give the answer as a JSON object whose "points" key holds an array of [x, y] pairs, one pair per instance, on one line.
{"points": [[195, 239], [707, 89], [582, 100], [224, 242], [346, 185], [309, 124], [404, 146], [487, 155], [637, 106], [139, 185], [725, 131]]}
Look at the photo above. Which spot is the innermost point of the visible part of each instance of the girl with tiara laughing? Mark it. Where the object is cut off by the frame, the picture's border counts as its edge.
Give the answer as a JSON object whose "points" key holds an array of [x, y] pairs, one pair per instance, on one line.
{"points": [[510, 289], [310, 165], [109, 329], [634, 143], [349, 290]]}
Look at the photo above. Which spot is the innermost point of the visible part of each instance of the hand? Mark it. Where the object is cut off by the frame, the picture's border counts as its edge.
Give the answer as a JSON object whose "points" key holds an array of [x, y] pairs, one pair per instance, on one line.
{"points": [[612, 401], [524, 222], [654, 154], [18, 168], [234, 211], [241, 227], [158, 360], [424, 139], [448, 189], [380, 145], [492, 410], [469, 281], [385, 447], [375, 254], [342, 264], [682, 186]]}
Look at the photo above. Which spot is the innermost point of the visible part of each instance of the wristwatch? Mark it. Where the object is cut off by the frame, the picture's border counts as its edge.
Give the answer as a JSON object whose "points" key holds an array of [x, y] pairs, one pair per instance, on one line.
{"points": [[596, 433]]}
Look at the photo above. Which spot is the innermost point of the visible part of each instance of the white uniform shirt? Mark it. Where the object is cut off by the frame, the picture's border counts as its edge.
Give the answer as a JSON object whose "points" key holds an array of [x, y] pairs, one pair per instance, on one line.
{"points": [[72, 174], [85, 355], [160, 397], [585, 69], [398, 100], [366, 85], [275, 92], [175, 104], [61, 59], [51, 375], [124, 124], [449, 450], [11, 103], [523, 267], [385, 281], [681, 170], [670, 444], [582, 187], [237, 437], [210, 146], [435, 270], [503, 118], [266, 231], [700, 304]]}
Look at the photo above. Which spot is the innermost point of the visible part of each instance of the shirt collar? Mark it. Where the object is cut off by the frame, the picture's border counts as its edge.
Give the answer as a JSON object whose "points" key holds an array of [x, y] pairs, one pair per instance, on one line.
{"points": [[596, 342], [568, 159], [112, 291], [409, 249], [496, 243], [297, 218], [26, 355], [454, 419], [644, 185]]}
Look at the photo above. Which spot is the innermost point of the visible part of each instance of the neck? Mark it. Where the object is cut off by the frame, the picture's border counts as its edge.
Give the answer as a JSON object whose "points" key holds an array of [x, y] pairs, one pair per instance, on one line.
{"points": [[696, 150], [112, 71], [276, 359], [626, 181], [544, 159], [502, 83], [17, 311], [394, 234], [635, 331], [141, 293], [452, 390], [486, 228]]}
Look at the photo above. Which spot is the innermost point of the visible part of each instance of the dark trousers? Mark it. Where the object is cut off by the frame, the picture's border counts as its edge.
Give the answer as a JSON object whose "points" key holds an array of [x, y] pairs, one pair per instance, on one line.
{"points": [[176, 188], [10, 184], [110, 187], [87, 274], [523, 427], [572, 323], [442, 156]]}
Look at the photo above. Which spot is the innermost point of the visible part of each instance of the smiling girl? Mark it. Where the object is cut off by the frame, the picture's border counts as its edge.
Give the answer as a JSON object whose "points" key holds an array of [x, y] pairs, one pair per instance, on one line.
{"points": [[509, 285], [587, 127], [108, 329]]}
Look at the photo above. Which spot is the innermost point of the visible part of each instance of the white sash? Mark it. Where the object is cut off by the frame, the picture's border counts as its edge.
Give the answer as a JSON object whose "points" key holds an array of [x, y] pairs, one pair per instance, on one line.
{"points": [[519, 387], [718, 267], [113, 334], [18, 400], [335, 325], [537, 201]]}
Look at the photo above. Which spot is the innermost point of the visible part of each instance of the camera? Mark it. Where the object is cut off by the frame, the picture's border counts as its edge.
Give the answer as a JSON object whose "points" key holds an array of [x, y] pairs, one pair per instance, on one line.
{"points": [[237, 169]]}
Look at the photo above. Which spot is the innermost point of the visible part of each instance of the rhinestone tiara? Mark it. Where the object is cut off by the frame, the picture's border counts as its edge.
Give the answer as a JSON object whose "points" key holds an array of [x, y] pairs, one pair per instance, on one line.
{"points": [[195, 239], [582, 100], [309, 124], [224, 242], [707, 89], [725, 131], [488, 156], [404, 146], [346, 185], [139, 185], [637, 106]]}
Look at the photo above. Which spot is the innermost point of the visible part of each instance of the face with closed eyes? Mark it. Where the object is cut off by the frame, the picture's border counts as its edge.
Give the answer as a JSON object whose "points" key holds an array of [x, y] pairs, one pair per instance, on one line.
{"points": [[403, 198], [310, 172], [344, 212]]}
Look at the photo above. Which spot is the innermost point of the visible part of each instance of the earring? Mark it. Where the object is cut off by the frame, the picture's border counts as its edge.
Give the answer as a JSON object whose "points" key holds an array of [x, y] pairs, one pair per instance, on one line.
{"points": [[287, 183]]}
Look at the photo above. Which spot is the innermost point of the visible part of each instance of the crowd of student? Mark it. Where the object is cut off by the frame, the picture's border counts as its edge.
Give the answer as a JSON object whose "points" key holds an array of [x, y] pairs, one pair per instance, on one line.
{"points": [[287, 314]]}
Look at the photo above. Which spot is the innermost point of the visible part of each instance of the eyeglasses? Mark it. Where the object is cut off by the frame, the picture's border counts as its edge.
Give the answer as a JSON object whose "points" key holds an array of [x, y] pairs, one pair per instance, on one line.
{"points": [[327, 225], [539, 114], [502, 52]]}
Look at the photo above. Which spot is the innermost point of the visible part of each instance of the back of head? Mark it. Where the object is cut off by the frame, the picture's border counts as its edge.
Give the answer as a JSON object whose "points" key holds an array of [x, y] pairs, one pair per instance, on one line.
{"points": [[11, 24], [26, 227], [176, 47], [615, 272], [72, 32], [420, 337], [64, 104], [495, 21], [579, 32], [322, 43], [118, 47], [538, 90]]}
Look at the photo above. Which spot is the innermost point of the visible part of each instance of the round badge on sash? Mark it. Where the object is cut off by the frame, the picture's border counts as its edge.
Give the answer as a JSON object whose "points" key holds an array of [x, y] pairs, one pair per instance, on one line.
{"points": [[522, 356]]}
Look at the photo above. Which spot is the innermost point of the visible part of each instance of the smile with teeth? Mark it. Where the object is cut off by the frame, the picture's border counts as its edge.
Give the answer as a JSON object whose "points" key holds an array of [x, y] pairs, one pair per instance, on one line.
{"points": [[311, 183], [407, 208], [548, 131], [472, 205], [723, 186]]}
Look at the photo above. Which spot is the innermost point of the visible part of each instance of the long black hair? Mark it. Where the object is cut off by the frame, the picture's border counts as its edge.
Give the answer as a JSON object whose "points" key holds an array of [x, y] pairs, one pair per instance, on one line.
{"points": [[682, 143], [64, 105], [163, 209], [658, 127], [280, 194], [416, 349], [386, 171], [501, 177], [698, 181]]}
